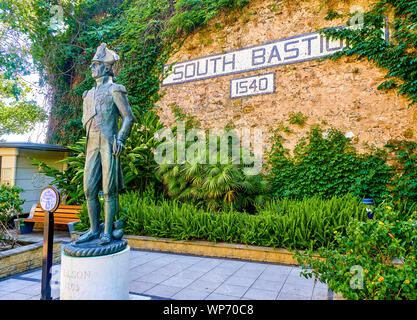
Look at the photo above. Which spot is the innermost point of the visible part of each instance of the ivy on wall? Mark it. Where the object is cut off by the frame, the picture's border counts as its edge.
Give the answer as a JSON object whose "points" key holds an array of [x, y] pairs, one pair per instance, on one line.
{"points": [[398, 55], [326, 164]]}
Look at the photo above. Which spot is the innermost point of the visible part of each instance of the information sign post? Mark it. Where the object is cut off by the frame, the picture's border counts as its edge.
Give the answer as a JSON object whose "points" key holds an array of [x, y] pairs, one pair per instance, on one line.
{"points": [[49, 201]]}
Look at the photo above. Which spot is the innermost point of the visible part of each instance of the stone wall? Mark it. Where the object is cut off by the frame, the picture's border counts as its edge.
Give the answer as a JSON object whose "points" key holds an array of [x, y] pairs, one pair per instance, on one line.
{"points": [[342, 93], [25, 258]]}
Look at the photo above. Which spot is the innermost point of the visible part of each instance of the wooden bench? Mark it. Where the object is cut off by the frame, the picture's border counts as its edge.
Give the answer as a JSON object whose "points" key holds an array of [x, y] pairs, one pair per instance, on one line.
{"points": [[65, 215]]}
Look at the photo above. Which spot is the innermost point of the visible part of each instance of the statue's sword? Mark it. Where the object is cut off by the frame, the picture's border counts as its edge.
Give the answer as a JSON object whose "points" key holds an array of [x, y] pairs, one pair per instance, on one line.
{"points": [[117, 177]]}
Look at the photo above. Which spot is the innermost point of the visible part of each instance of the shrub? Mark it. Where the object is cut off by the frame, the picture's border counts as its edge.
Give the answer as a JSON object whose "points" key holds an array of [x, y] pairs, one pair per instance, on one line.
{"points": [[221, 184], [362, 264], [10, 206], [326, 164], [404, 184], [309, 223], [213, 186], [10, 202], [138, 163]]}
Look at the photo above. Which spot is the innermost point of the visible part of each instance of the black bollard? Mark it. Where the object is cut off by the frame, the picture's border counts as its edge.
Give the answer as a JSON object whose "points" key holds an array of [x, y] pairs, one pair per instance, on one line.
{"points": [[47, 253]]}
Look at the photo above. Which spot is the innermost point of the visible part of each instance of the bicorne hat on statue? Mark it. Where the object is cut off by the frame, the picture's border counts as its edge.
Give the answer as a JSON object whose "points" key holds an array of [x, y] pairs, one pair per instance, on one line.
{"points": [[105, 55]]}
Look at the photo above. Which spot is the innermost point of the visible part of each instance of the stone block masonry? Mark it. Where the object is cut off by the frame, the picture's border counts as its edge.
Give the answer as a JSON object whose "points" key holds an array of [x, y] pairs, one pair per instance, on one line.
{"points": [[25, 258], [341, 94]]}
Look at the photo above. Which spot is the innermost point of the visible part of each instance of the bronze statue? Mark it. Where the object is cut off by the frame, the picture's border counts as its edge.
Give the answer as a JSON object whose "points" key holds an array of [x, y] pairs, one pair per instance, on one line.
{"points": [[102, 107]]}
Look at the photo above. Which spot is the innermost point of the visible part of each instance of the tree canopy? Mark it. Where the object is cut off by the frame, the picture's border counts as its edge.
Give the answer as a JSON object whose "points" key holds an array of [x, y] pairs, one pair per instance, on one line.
{"points": [[64, 36], [18, 113]]}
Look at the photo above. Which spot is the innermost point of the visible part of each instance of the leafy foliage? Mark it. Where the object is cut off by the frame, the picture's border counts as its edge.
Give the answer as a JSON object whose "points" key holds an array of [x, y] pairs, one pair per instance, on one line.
{"points": [[362, 264], [309, 223], [398, 56], [326, 164], [209, 175], [10, 201], [10, 207], [70, 181], [19, 117], [139, 167], [143, 32], [18, 113], [138, 163], [332, 14], [297, 118], [404, 184], [215, 186]]}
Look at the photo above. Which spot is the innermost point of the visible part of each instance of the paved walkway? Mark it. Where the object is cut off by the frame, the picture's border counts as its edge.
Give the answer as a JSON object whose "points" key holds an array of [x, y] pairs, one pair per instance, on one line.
{"points": [[157, 275]]}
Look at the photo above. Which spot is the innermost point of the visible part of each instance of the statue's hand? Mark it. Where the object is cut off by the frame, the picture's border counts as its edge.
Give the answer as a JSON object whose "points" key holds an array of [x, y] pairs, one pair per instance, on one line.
{"points": [[117, 147]]}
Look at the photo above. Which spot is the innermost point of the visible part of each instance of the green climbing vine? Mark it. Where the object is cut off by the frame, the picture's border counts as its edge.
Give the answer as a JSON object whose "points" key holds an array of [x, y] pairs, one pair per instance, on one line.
{"points": [[398, 55], [325, 164]]}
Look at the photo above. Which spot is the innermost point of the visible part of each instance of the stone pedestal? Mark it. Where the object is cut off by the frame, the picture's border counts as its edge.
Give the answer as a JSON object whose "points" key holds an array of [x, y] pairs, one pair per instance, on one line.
{"points": [[95, 278]]}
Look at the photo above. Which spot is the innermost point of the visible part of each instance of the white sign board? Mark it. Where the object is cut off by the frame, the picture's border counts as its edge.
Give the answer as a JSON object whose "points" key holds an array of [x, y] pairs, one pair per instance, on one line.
{"points": [[300, 48], [49, 199], [253, 85]]}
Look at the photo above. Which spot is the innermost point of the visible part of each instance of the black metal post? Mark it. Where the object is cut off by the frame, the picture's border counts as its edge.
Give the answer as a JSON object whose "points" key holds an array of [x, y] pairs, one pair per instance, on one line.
{"points": [[48, 240]]}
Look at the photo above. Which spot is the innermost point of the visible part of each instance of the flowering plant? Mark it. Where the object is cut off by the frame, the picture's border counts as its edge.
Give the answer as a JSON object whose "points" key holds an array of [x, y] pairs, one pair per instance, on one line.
{"points": [[10, 203], [375, 260]]}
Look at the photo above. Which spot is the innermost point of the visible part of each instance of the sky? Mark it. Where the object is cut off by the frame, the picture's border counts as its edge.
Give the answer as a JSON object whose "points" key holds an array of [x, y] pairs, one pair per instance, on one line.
{"points": [[39, 94], [38, 134]]}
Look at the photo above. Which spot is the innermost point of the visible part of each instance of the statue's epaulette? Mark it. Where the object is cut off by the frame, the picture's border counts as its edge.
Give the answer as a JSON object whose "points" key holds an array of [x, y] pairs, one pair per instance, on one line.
{"points": [[119, 88], [85, 93]]}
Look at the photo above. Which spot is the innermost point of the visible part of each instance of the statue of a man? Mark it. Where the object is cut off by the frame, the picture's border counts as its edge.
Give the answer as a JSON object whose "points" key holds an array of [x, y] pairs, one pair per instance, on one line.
{"points": [[102, 107]]}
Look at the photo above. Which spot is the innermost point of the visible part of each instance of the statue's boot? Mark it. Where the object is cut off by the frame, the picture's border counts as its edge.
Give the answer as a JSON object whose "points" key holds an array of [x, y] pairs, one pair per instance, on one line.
{"points": [[105, 239], [90, 235], [109, 213], [93, 207]]}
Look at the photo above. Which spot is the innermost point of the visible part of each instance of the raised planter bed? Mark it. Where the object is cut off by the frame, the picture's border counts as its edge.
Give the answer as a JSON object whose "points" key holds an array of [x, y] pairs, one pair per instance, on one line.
{"points": [[209, 249], [25, 257], [212, 249]]}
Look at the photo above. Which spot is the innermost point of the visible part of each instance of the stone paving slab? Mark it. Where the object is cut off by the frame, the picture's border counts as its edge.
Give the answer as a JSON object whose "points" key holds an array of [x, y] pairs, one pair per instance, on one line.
{"points": [[160, 275]]}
